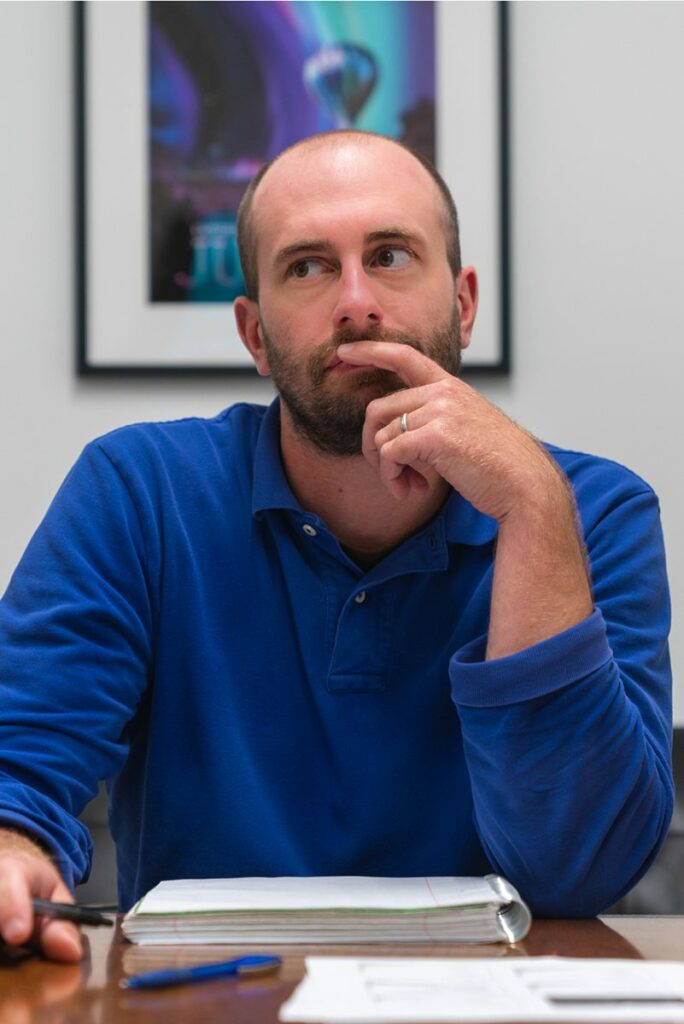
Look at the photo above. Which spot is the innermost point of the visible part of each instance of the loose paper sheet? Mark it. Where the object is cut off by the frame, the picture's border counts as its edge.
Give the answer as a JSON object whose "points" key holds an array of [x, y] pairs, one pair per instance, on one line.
{"points": [[350, 990]]}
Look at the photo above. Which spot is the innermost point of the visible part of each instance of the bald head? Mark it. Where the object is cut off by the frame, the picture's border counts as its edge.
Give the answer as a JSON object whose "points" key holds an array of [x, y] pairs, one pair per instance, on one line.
{"points": [[308, 149]]}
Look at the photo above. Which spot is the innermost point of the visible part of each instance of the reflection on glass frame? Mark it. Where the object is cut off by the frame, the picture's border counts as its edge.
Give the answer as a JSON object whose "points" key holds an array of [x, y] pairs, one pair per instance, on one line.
{"points": [[164, 155]]}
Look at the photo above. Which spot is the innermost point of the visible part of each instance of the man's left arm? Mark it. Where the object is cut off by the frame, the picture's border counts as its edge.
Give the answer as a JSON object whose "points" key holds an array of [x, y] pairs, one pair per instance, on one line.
{"points": [[565, 710], [568, 741], [541, 584]]}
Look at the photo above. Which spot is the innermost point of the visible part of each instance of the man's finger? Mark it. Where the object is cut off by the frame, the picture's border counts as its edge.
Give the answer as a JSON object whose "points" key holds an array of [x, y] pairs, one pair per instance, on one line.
{"points": [[22, 877], [399, 463], [410, 418], [16, 912], [60, 940], [412, 366], [385, 414]]}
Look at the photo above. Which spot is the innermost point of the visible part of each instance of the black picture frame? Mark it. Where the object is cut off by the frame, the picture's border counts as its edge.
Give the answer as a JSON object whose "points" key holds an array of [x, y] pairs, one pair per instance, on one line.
{"points": [[97, 356]]}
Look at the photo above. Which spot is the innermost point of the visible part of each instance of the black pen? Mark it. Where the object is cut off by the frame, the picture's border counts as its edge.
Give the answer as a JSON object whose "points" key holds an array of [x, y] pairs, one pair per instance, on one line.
{"points": [[70, 912]]}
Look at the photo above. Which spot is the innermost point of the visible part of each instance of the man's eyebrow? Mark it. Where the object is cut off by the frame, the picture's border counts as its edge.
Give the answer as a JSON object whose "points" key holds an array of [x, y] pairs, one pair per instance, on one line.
{"points": [[383, 234], [304, 245]]}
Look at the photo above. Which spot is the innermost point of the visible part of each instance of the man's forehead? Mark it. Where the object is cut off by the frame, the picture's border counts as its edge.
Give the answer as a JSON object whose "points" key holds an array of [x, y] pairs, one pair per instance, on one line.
{"points": [[343, 155], [325, 172]]}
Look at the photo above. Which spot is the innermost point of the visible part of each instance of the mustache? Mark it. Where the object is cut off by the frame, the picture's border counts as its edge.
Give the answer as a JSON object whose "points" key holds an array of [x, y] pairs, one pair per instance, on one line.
{"points": [[319, 360], [376, 332]]}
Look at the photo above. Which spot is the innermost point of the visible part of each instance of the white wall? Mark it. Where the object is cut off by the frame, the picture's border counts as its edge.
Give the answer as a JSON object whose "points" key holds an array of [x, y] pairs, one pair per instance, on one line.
{"points": [[598, 222]]}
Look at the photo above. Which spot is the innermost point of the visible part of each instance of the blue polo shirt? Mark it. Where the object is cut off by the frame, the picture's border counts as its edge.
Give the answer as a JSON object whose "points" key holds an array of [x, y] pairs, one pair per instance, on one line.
{"points": [[260, 705]]}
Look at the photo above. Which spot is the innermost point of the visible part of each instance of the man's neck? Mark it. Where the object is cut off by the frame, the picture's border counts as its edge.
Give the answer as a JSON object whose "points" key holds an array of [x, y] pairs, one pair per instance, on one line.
{"points": [[348, 495]]}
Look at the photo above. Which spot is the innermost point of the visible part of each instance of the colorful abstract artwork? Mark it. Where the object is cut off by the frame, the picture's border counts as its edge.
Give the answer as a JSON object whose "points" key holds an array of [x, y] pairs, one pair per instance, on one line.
{"points": [[179, 104], [232, 84]]}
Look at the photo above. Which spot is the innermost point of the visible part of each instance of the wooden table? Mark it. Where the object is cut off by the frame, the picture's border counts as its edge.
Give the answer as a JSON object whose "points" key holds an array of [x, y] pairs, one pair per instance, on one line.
{"points": [[33, 991]]}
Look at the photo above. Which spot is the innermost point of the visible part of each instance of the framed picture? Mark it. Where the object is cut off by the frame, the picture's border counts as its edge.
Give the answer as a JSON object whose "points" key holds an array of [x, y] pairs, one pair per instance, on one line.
{"points": [[179, 104]]}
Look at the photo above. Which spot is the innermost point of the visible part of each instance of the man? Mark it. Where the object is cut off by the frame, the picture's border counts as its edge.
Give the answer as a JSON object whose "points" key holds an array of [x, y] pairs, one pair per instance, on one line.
{"points": [[355, 633]]}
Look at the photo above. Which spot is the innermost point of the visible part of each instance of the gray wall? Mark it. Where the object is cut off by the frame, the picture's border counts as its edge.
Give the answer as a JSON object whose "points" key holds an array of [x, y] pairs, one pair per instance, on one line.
{"points": [[598, 221]]}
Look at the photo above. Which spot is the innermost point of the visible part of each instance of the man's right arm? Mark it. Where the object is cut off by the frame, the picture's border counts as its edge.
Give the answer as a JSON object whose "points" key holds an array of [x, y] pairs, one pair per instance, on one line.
{"points": [[75, 649], [26, 871]]}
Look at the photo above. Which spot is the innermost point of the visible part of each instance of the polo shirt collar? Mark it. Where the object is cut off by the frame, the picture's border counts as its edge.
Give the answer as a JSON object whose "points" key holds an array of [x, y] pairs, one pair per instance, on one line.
{"points": [[271, 489], [463, 524]]}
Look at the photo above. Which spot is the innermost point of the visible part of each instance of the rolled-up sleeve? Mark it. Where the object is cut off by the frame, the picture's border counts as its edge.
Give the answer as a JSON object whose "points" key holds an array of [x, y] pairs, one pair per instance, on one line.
{"points": [[568, 742]]}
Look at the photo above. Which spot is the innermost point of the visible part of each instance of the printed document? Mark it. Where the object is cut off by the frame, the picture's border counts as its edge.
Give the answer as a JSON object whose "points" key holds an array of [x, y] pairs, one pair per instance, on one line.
{"points": [[408, 990]]}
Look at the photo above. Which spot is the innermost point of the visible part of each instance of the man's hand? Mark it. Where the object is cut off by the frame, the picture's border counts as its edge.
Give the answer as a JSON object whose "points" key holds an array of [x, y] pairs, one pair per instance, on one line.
{"points": [[450, 427], [27, 871], [541, 585]]}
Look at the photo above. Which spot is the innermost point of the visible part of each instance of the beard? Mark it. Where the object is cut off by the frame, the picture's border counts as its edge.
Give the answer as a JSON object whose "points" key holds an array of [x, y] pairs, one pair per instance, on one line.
{"points": [[330, 414]]}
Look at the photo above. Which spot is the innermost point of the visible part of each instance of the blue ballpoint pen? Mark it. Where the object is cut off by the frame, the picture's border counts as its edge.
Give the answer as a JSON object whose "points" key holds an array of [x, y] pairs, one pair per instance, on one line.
{"points": [[242, 965]]}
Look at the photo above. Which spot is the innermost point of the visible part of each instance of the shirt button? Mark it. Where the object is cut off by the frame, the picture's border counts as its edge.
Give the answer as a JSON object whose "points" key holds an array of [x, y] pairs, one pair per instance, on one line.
{"points": [[308, 529], [360, 597]]}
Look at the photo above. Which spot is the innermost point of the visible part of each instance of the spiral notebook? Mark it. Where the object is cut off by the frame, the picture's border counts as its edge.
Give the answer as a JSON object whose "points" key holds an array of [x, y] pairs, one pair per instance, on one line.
{"points": [[334, 909]]}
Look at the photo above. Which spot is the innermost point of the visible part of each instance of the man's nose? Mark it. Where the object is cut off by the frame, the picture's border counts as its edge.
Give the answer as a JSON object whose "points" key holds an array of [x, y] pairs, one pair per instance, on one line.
{"points": [[357, 305]]}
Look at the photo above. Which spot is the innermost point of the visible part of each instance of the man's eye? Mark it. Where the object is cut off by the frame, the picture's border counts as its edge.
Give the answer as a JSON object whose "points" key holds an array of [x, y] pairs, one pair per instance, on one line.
{"points": [[306, 268], [392, 256]]}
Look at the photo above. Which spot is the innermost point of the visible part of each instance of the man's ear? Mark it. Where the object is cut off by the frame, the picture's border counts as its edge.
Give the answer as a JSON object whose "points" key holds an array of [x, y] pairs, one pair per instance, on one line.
{"points": [[249, 327], [466, 297]]}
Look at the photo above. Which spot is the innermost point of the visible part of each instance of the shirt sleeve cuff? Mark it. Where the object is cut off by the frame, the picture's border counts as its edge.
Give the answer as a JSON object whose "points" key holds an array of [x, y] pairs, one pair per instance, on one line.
{"points": [[532, 672], [8, 819]]}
